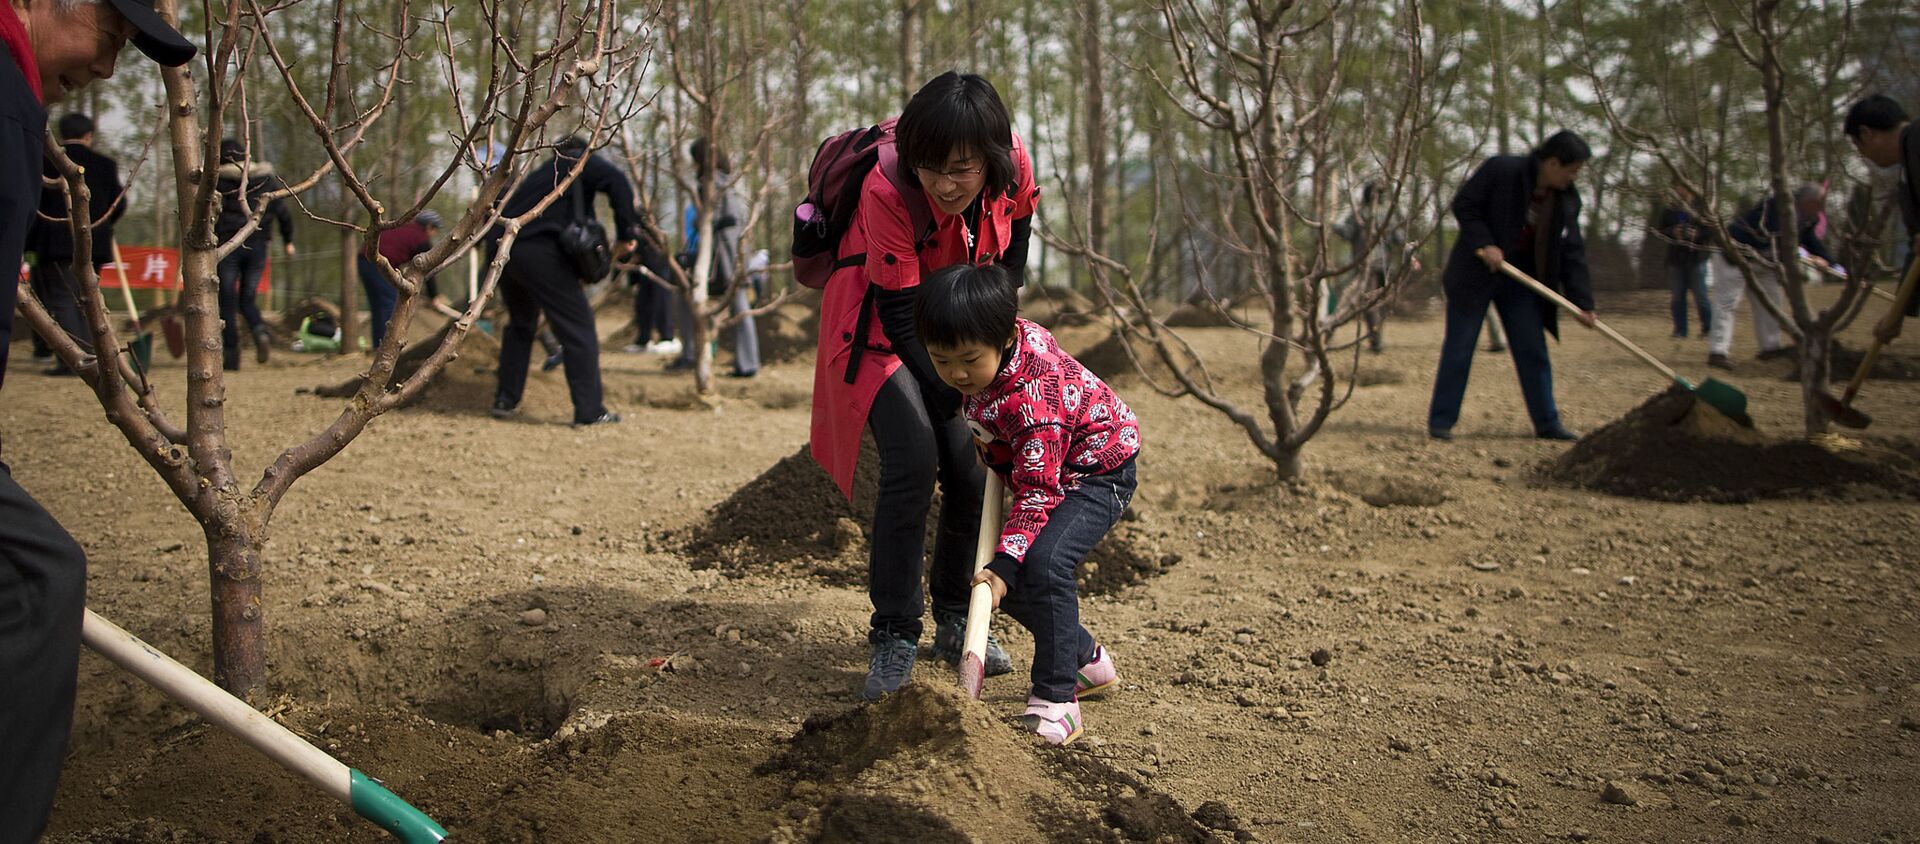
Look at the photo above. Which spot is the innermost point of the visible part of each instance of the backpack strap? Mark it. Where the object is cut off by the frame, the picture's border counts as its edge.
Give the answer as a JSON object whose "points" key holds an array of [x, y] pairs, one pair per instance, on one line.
{"points": [[920, 216]]}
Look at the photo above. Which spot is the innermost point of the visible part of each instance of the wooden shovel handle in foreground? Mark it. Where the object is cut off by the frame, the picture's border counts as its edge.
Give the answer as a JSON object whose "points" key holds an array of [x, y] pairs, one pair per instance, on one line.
{"points": [[973, 657], [1901, 298], [126, 289], [368, 797], [1552, 296]]}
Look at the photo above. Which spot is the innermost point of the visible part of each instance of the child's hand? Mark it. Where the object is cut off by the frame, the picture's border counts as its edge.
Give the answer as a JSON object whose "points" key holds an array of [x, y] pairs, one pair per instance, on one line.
{"points": [[994, 584]]}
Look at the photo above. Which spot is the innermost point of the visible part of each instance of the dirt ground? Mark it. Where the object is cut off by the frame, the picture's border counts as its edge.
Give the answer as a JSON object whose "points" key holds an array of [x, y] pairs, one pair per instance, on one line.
{"points": [[516, 625]]}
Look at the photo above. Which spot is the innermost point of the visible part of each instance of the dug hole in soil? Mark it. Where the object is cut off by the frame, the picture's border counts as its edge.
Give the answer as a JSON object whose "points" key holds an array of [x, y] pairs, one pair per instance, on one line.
{"points": [[1676, 448]]}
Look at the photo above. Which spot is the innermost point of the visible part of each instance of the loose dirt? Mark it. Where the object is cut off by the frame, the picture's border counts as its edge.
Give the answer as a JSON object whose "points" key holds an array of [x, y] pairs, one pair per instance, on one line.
{"points": [[1676, 448], [1414, 641]]}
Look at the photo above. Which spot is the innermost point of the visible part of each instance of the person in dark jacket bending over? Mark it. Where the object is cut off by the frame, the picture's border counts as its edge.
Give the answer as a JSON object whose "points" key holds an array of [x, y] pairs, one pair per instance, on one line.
{"points": [[1523, 210], [243, 188], [48, 48], [1881, 132], [539, 277], [54, 281], [1755, 231]]}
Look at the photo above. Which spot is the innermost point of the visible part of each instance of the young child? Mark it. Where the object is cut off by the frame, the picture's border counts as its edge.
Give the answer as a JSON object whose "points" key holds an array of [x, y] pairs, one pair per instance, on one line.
{"points": [[1064, 444]]}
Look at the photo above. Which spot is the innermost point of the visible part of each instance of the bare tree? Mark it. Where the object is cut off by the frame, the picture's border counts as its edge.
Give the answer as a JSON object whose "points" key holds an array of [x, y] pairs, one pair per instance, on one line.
{"points": [[1770, 42], [511, 86], [1276, 85]]}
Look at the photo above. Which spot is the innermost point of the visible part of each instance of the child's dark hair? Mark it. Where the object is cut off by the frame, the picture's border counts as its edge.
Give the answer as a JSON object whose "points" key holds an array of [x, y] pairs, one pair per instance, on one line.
{"points": [[1878, 112], [951, 112], [1564, 147], [966, 304]]}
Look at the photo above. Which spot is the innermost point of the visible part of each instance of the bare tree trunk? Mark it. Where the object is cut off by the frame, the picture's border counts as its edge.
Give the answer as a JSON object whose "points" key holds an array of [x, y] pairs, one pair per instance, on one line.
{"points": [[1094, 124], [239, 635], [349, 292], [909, 48]]}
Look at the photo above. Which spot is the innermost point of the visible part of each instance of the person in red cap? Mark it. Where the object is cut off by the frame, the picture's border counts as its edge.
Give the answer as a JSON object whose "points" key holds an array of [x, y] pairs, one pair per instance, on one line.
{"points": [[51, 49]]}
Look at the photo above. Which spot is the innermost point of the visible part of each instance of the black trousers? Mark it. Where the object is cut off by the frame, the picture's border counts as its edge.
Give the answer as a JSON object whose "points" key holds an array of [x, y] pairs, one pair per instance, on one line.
{"points": [[915, 453], [43, 589], [538, 279], [652, 310], [54, 284]]}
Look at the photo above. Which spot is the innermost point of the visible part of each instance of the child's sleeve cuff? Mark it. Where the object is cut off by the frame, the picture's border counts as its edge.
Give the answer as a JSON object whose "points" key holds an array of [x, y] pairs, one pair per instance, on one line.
{"points": [[1006, 568]]}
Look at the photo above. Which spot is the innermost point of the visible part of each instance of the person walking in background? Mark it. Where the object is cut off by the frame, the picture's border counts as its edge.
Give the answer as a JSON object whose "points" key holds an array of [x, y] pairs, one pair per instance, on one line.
{"points": [[1756, 230], [46, 50], [398, 245], [728, 218], [540, 278], [54, 282], [653, 310], [1526, 207], [243, 187], [1686, 264], [1370, 276]]}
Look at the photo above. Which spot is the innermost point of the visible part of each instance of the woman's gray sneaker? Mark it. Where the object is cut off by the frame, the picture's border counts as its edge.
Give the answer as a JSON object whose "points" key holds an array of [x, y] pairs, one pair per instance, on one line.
{"points": [[889, 668]]}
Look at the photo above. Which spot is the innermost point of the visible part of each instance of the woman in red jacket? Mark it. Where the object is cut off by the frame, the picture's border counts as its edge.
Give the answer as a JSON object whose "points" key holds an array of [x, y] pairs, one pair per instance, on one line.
{"points": [[957, 154]]}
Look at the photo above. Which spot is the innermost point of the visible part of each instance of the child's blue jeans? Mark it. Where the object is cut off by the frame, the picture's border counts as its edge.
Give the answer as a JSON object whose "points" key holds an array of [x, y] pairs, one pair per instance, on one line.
{"points": [[1046, 600]]}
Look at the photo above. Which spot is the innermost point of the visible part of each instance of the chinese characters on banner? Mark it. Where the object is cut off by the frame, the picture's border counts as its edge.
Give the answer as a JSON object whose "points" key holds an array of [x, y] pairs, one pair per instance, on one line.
{"points": [[152, 268]]}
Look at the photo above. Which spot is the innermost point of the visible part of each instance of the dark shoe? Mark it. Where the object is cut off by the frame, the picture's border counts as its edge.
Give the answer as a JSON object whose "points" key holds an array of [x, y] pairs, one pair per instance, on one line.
{"points": [[1679, 335], [736, 373], [230, 359], [889, 668], [1556, 432], [1720, 362], [502, 410], [608, 418], [1443, 434], [58, 370], [949, 639], [1776, 354], [262, 344], [552, 362], [679, 365]]}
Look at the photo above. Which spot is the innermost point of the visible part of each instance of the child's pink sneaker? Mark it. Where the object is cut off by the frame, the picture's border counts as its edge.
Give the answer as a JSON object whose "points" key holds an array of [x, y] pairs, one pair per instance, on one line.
{"points": [[1058, 723], [1096, 677]]}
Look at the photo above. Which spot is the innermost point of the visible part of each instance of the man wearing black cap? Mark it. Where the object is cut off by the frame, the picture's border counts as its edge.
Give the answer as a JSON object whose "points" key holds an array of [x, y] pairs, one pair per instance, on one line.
{"points": [[48, 49], [54, 280]]}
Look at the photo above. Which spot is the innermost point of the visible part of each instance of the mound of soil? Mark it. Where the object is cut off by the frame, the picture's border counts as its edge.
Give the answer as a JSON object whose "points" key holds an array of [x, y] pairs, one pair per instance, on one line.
{"points": [[788, 333], [1674, 448], [1109, 359], [1058, 308], [792, 521], [1202, 314], [466, 384], [930, 764]]}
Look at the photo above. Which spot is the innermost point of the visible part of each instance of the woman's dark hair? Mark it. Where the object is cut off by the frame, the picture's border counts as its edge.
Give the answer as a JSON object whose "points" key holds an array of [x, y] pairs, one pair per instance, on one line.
{"points": [[1878, 112], [966, 304], [957, 111], [1564, 147], [232, 151]]}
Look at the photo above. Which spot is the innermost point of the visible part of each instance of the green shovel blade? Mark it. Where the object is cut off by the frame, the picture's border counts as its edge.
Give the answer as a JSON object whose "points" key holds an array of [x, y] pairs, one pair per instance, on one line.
{"points": [[373, 801], [1720, 396]]}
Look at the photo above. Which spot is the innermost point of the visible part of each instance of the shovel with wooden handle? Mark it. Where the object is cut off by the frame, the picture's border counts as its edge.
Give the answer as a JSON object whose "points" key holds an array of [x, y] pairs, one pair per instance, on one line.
{"points": [[973, 658], [1716, 393], [1841, 410], [367, 796], [141, 346]]}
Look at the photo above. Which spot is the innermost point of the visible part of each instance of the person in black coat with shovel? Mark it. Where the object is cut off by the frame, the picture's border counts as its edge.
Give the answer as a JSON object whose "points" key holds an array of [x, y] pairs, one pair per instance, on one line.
{"points": [[1523, 210]]}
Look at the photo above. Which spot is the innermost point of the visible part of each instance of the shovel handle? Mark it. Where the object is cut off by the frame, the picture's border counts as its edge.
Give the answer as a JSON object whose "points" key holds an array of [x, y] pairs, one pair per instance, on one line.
{"points": [[368, 798], [980, 600], [1599, 326], [1901, 299], [126, 289]]}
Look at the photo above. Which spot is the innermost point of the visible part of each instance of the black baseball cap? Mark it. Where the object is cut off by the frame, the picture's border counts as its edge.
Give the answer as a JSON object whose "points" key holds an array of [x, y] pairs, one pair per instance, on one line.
{"points": [[153, 35]]}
